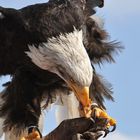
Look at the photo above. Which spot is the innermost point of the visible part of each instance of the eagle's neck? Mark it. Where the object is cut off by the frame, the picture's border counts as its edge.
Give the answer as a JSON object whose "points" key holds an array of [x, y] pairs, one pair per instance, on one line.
{"points": [[65, 56]]}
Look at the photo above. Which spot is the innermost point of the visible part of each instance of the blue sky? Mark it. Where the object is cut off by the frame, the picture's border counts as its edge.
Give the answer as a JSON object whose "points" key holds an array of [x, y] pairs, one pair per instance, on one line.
{"points": [[122, 20]]}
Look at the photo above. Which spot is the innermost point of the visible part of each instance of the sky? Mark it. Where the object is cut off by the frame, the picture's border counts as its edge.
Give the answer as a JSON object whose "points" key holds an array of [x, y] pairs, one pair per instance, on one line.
{"points": [[122, 20]]}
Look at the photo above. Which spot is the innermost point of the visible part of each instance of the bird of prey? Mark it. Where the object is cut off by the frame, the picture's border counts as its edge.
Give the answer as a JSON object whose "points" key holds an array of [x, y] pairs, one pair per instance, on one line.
{"points": [[47, 49]]}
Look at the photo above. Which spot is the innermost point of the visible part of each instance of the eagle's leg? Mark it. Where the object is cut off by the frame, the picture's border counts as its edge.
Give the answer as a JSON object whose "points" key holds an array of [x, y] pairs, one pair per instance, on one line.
{"points": [[34, 133], [82, 94], [87, 110], [100, 113]]}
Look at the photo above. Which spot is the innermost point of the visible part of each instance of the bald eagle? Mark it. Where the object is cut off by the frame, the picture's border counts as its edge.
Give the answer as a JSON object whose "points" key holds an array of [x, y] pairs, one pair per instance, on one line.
{"points": [[49, 49]]}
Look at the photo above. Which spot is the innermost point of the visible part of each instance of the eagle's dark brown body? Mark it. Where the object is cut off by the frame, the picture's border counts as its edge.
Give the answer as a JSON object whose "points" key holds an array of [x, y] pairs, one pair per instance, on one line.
{"points": [[33, 25]]}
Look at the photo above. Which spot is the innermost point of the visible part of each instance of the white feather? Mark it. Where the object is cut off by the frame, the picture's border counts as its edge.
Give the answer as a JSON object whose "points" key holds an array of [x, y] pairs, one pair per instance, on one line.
{"points": [[65, 51], [66, 107]]}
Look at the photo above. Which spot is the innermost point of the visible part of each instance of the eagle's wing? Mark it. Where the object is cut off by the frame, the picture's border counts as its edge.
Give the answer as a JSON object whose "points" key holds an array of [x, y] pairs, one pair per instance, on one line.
{"points": [[13, 44], [98, 46], [99, 49], [13, 41]]}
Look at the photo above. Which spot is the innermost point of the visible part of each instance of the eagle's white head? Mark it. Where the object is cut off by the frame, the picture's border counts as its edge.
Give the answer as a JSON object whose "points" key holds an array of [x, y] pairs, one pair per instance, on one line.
{"points": [[65, 56]]}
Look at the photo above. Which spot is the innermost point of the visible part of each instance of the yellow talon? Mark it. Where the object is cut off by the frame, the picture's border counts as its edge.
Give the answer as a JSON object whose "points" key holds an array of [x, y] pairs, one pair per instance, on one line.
{"points": [[85, 111], [32, 136], [99, 113]]}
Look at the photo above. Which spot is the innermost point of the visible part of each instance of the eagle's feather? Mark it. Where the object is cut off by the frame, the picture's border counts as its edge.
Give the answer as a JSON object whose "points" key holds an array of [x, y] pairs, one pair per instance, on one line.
{"points": [[32, 26]]}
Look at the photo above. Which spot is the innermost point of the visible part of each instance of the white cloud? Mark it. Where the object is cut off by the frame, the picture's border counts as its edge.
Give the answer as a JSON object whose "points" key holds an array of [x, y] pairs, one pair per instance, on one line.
{"points": [[120, 136]]}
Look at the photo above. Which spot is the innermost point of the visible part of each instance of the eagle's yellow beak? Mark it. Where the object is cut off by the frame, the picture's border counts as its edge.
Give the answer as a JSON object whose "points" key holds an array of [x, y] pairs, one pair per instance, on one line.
{"points": [[82, 94]]}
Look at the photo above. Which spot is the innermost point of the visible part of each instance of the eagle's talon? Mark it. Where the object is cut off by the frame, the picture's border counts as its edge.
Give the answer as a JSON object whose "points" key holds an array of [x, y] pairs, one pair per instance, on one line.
{"points": [[101, 114], [106, 133], [114, 128], [92, 135], [33, 134], [32, 129], [85, 111]]}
